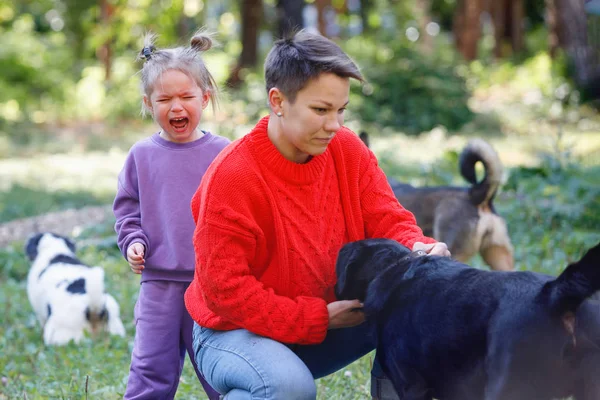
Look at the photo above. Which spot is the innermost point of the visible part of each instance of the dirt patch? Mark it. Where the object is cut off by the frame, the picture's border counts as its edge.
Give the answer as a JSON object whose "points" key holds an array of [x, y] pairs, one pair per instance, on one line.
{"points": [[65, 223]]}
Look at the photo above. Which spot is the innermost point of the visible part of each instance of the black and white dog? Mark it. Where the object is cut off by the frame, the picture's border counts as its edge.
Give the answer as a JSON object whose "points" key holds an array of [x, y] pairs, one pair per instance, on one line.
{"points": [[67, 296], [452, 332]]}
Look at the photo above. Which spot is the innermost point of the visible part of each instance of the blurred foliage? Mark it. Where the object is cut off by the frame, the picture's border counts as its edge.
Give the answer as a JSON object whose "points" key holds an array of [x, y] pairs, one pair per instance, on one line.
{"points": [[406, 89], [52, 52]]}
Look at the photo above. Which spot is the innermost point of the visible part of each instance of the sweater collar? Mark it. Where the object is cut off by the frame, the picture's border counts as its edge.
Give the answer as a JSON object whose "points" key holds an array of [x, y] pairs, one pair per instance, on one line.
{"points": [[273, 161], [181, 146]]}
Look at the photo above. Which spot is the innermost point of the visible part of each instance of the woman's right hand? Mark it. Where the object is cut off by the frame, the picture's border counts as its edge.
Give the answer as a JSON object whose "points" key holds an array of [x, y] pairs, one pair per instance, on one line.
{"points": [[345, 313], [135, 257]]}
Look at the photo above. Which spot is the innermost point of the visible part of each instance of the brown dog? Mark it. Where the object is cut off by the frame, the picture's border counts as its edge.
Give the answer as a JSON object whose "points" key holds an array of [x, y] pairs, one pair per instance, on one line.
{"points": [[463, 217]]}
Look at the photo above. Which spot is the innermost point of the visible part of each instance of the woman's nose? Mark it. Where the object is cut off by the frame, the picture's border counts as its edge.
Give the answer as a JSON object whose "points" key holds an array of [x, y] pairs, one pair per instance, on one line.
{"points": [[333, 123]]}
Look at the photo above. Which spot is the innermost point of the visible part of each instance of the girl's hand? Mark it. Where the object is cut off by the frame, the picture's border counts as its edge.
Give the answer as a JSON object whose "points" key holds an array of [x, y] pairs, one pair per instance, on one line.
{"points": [[433, 249], [345, 313], [135, 257]]}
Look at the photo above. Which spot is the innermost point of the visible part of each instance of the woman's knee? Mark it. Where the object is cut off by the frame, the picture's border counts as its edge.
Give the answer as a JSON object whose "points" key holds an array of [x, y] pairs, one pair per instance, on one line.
{"points": [[292, 383], [235, 362]]}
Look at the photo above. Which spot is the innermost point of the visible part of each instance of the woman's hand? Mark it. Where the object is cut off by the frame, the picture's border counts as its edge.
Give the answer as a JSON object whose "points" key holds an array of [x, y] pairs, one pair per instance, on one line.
{"points": [[135, 257], [345, 313], [433, 249]]}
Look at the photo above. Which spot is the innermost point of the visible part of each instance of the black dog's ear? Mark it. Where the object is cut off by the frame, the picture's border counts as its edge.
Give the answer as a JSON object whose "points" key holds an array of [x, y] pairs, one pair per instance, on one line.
{"points": [[31, 246], [579, 281], [346, 268], [364, 136], [360, 262]]}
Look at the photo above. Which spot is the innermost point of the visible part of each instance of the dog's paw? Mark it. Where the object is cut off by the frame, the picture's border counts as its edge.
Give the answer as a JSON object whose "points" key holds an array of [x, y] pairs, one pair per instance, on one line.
{"points": [[115, 327], [58, 336]]}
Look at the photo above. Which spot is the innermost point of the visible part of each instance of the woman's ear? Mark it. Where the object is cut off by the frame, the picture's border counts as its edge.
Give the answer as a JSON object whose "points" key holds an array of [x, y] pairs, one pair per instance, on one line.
{"points": [[276, 99]]}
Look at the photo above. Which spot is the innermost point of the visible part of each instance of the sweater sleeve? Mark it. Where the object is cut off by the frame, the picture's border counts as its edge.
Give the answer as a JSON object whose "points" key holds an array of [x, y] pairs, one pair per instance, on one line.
{"points": [[126, 208], [384, 216]]}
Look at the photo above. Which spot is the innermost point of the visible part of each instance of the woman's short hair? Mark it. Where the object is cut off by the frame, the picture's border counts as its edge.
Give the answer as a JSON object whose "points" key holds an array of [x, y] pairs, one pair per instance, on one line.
{"points": [[294, 61]]}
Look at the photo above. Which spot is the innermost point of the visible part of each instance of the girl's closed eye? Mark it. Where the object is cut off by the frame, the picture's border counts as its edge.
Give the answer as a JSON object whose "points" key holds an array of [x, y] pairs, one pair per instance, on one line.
{"points": [[320, 110], [341, 110]]}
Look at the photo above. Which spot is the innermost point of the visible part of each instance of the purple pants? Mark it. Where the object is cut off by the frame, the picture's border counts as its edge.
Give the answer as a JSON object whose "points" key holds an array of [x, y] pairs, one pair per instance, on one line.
{"points": [[163, 333]]}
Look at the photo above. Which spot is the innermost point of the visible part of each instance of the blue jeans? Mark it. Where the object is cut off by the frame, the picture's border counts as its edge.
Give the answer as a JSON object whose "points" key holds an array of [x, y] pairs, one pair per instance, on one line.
{"points": [[243, 365]]}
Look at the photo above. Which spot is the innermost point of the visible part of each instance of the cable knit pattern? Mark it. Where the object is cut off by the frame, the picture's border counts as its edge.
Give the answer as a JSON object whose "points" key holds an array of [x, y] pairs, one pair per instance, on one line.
{"points": [[269, 230]]}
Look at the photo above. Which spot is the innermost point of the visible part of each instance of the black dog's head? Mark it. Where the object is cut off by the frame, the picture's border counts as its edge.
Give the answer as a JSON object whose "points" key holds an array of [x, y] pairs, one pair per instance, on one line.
{"points": [[40, 241], [359, 263]]}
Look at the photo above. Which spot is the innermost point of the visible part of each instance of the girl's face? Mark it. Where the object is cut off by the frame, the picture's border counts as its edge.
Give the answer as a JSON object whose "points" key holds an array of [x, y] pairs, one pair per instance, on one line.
{"points": [[177, 103], [308, 125]]}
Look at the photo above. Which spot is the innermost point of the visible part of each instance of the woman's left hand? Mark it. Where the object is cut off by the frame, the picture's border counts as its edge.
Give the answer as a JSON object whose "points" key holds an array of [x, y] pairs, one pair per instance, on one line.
{"points": [[433, 249]]}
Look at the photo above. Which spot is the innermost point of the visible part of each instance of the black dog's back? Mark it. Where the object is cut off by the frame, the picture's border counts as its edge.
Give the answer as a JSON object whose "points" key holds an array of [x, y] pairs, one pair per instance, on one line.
{"points": [[455, 332]]}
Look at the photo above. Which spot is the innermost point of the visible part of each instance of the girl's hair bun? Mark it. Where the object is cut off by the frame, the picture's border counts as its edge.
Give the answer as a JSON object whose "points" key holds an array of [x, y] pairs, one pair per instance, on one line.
{"points": [[201, 41]]}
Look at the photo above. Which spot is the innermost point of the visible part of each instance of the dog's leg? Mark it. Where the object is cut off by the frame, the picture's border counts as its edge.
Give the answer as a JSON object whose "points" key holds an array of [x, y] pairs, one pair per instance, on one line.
{"points": [[499, 258], [507, 377], [408, 384], [115, 326], [589, 386], [57, 335]]}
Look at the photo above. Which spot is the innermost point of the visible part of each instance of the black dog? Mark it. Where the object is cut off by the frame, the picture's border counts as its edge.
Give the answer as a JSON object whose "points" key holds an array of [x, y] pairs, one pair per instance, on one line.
{"points": [[453, 332]]}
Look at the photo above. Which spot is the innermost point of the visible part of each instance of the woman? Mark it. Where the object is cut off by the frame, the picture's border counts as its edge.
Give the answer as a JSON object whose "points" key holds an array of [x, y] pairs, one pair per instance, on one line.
{"points": [[272, 212]]}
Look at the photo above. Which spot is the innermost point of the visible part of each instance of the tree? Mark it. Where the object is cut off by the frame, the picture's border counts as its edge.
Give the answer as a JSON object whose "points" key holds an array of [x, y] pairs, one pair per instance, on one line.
{"points": [[251, 15], [571, 34], [508, 18], [467, 28], [289, 15]]}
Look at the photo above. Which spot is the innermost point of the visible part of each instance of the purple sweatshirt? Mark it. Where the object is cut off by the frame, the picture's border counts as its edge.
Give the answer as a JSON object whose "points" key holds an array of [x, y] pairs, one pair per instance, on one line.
{"points": [[152, 204]]}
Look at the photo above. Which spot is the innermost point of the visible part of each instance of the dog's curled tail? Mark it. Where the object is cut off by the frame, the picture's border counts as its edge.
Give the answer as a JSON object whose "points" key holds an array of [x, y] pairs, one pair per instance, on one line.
{"points": [[95, 289], [579, 281], [478, 150]]}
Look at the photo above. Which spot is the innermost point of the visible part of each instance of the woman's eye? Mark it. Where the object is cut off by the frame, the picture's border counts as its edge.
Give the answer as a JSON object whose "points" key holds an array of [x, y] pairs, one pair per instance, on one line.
{"points": [[320, 110], [341, 110]]}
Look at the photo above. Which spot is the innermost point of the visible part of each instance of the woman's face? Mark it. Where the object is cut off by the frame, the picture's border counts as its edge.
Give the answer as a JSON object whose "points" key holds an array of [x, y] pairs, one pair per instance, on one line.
{"points": [[309, 124]]}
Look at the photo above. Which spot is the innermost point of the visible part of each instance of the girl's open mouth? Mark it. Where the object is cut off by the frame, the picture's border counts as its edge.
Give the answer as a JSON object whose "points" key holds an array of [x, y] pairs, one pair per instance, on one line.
{"points": [[179, 124]]}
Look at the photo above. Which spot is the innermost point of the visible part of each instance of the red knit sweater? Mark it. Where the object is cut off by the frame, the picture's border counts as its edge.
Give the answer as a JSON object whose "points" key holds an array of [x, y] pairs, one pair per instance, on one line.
{"points": [[268, 232]]}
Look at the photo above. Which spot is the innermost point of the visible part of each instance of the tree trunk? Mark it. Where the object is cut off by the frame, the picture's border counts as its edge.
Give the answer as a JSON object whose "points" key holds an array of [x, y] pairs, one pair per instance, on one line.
{"points": [[423, 16], [508, 18], [516, 33], [251, 19], [552, 24], [365, 9], [322, 6], [467, 27], [572, 38], [458, 23], [498, 10], [289, 14], [105, 51]]}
